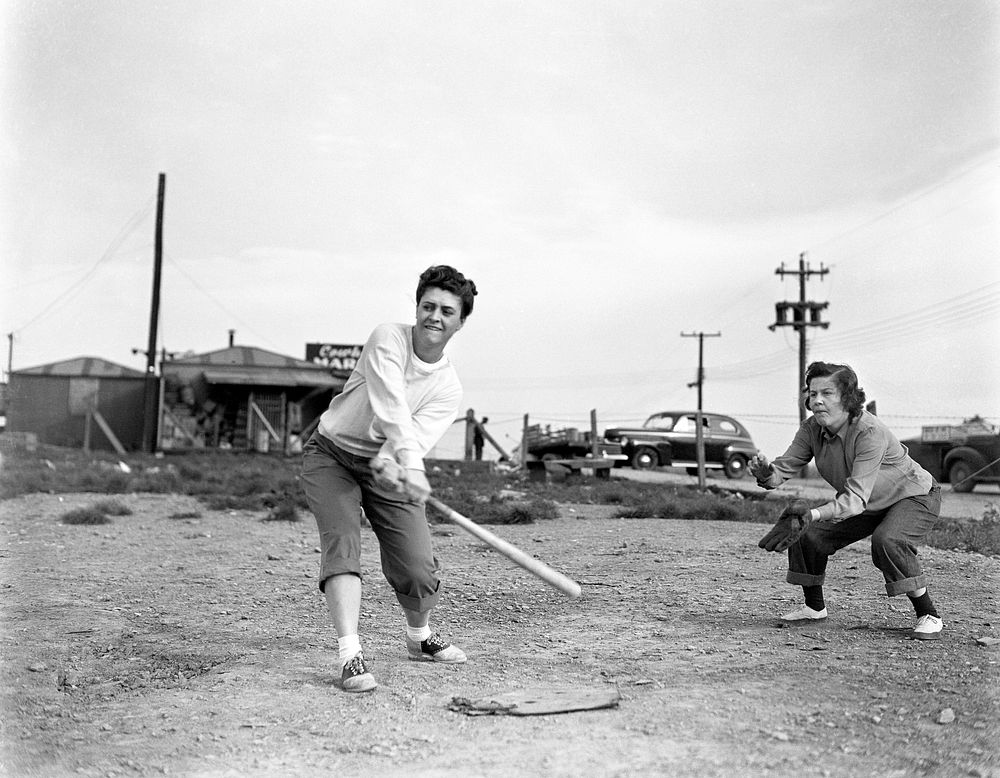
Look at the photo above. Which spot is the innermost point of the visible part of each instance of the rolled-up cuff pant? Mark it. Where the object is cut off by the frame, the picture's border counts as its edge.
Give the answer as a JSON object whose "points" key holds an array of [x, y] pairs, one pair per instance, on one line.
{"points": [[338, 485], [895, 533]]}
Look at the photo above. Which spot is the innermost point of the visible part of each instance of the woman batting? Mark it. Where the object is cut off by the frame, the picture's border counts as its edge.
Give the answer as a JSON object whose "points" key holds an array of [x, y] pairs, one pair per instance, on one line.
{"points": [[397, 404]]}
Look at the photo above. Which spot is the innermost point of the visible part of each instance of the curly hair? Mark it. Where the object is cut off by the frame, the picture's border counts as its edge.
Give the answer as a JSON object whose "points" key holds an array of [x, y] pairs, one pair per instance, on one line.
{"points": [[450, 280], [852, 396]]}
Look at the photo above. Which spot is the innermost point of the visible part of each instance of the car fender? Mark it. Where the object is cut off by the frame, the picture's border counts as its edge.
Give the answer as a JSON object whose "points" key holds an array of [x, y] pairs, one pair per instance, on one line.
{"points": [[969, 454]]}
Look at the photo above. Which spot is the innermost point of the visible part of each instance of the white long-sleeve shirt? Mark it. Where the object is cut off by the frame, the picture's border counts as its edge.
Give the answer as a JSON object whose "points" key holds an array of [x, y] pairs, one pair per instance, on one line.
{"points": [[394, 404]]}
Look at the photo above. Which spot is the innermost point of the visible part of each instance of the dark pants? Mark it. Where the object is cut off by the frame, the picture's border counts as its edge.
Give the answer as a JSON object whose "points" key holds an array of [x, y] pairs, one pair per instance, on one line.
{"points": [[338, 485], [895, 533]]}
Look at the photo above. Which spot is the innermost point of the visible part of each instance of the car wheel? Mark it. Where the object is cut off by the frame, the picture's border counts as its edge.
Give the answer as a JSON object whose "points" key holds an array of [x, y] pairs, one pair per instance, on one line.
{"points": [[958, 476], [645, 458], [735, 466]]}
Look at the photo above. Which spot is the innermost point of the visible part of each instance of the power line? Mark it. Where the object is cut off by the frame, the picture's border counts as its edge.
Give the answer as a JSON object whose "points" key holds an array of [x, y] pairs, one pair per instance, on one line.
{"points": [[969, 306], [218, 302], [109, 252], [905, 203]]}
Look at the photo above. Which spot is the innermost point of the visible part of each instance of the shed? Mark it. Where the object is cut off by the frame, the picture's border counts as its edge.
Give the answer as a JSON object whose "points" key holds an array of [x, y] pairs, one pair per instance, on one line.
{"points": [[78, 402], [242, 397]]}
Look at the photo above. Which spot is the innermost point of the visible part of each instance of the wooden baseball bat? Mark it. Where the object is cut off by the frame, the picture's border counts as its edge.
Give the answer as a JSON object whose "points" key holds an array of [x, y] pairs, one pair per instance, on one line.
{"points": [[567, 586]]}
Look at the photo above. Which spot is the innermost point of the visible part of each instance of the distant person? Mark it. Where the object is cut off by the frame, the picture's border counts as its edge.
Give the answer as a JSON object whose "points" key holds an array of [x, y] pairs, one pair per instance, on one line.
{"points": [[881, 492], [399, 400], [477, 438]]}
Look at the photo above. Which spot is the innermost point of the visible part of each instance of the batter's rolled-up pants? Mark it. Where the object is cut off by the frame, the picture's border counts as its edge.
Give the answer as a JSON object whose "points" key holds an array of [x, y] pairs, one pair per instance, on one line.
{"points": [[338, 485], [895, 533]]}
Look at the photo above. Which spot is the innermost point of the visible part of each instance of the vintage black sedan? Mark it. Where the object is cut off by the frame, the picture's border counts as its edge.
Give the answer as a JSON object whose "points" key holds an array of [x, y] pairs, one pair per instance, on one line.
{"points": [[668, 439]]}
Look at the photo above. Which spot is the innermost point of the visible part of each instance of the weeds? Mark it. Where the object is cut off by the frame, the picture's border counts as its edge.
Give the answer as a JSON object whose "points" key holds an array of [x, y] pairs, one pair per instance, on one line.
{"points": [[96, 513], [112, 508], [88, 515], [185, 515], [979, 535], [252, 482]]}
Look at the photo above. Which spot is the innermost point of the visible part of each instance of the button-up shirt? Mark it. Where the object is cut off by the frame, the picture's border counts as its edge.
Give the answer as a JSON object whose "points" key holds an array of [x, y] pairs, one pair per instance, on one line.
{"points": [[869, 468]]}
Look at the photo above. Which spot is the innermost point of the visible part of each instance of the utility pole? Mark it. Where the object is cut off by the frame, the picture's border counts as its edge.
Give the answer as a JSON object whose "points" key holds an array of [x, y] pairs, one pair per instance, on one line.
{"points": [[800, 320], [699, 382], [151, 396]]}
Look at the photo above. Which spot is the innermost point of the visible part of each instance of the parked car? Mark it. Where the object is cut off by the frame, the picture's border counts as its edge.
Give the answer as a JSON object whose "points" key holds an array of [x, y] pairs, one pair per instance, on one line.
{"points": [[668, 439]]}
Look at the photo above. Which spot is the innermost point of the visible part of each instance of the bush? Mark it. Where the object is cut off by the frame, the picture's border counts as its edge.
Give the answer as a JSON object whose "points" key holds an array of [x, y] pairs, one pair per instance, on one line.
{"points": [[185, 515], [979, 535], [89, 515], [253, 482], [112, 508]]}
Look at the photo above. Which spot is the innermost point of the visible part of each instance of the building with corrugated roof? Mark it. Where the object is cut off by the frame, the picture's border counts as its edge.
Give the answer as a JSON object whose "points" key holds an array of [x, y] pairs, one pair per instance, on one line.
{"points": [[68, 403], [240, 397]]}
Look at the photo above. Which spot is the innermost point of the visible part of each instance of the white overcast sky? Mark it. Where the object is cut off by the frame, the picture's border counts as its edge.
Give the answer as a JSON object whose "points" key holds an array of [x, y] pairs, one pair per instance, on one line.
{"points": [[611, 174]]}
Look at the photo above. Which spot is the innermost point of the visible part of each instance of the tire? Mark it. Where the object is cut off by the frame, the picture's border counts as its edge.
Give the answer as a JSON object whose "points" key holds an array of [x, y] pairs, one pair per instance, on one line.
{"points": [[735, 466], [958, 476], [644, 458], [691, 470]]}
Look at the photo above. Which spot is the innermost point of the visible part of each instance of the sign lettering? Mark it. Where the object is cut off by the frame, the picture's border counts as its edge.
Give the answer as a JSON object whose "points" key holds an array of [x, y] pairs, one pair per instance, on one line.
{"points": [[340, 358]]}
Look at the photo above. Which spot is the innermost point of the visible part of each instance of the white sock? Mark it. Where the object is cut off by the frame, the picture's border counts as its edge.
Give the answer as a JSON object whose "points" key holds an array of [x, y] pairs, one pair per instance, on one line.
{"points": [[418, 633], [348, 647]]}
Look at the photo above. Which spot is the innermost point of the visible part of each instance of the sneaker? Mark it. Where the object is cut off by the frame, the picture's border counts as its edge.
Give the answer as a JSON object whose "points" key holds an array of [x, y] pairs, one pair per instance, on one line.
{"points": [[804, 613], [356, 676], [928, 628], [434, 649]]}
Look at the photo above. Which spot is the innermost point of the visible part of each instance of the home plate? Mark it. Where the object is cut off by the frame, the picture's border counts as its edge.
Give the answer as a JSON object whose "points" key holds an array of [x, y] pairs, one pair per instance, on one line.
{"points": [[536, 702]]}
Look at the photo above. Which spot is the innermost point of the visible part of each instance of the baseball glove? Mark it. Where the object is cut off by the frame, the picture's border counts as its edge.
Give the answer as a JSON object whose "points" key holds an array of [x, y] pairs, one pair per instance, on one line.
{"points": [[793, 521]]}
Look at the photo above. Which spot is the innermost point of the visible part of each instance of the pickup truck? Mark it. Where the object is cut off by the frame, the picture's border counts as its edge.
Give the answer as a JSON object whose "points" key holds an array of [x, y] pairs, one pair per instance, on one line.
{"points": [[567, 443], [962, 455]]}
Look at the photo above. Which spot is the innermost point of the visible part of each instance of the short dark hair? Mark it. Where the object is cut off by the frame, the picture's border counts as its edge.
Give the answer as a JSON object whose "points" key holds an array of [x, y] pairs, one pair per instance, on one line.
{"points": [[852, 396], [450, 280]]}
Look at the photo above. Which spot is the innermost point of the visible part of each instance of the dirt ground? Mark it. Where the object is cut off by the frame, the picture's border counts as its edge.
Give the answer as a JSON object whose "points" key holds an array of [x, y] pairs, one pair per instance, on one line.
{"points": [[179, 641]]}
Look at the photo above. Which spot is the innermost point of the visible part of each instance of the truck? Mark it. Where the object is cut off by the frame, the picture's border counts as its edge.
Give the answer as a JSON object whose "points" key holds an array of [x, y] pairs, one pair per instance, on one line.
{"points": [[962, 455], [567, 443], [569, 448]]}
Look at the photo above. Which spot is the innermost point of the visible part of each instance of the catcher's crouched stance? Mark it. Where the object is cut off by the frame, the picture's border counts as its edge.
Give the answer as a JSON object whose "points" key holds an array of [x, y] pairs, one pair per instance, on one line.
{"points": [[881, 493]]}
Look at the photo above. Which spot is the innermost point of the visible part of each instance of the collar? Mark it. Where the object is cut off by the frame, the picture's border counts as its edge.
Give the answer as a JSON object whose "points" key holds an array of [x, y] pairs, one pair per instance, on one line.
{"points": [[841, 433]]}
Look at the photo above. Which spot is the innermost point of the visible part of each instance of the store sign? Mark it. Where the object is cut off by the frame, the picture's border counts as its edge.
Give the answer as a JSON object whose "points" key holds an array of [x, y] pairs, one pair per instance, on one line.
{"points": [[340, 358]]}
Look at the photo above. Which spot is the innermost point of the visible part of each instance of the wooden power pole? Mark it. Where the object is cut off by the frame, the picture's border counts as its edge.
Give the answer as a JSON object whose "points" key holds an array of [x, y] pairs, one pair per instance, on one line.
{"points": [[699, 382], [152, 388], [805, 314]]}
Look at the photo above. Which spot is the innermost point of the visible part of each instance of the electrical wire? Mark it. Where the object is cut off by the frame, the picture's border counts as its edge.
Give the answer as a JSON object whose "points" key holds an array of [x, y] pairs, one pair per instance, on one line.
{"points": [[176, 265], [915, 198], [971, 306], [109, 252]]}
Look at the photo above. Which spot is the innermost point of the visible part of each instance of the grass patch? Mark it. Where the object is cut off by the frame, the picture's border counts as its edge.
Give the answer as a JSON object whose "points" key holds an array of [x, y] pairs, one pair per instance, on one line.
{"points": [[185, 515], [245, 481], [112, 508], [88, 515], [281, 506], [979, 535]]}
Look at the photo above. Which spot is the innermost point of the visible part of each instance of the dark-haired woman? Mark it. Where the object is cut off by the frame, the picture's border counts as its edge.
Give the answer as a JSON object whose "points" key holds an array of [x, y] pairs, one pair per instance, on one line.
{"points": [[881, 492], [398, 402]]}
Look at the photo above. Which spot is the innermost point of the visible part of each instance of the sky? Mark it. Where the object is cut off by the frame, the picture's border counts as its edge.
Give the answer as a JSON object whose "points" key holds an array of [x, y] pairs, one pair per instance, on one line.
{"points": [[616, 177]]}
